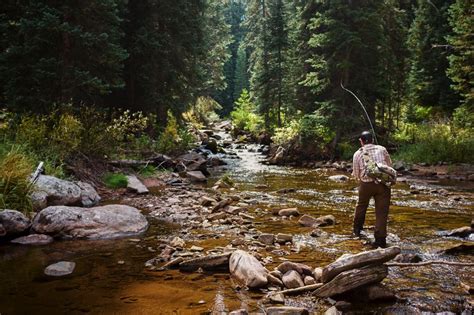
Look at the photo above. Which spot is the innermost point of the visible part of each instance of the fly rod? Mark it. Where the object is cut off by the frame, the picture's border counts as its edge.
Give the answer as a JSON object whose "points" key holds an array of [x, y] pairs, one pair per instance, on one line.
{"points": [[365, 111]]}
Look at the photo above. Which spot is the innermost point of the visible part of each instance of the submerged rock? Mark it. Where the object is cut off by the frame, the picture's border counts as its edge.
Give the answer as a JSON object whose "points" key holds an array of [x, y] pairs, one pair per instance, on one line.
{"points": [[288, 212], [33, 239], [338, 178], [286, 310], [111, 221], [211, 262], [247, 269], [13, 222], [59, 269], [309, 221]]}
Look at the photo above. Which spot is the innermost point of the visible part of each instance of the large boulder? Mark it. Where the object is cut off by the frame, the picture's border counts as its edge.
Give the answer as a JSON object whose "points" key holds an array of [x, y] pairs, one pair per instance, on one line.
{"points": [[111, 221], [247, 269], [13, 222], [136, 186], [292, 279], [52, 191]]}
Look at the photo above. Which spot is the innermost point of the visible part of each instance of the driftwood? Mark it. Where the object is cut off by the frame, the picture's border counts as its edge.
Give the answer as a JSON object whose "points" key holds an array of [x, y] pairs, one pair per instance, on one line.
{"points": [[430, 262], [211, 262], [301, 290], [377, 256], [39, 170], [349, 280]]}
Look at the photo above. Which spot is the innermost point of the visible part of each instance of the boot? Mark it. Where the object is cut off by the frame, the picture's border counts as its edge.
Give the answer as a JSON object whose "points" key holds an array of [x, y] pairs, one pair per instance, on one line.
{"points": [[379, 242], [356, 231]]}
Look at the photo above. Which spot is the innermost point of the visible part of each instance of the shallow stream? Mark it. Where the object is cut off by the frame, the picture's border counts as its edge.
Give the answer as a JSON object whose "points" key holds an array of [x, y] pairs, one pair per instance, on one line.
{"points": [[110, 277]]}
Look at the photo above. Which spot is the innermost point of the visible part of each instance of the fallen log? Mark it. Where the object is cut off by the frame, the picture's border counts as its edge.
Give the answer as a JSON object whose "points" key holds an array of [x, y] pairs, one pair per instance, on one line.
{"points": [[211, 262], [300, 290], [351, 279], [430, 262], [377, 256]]}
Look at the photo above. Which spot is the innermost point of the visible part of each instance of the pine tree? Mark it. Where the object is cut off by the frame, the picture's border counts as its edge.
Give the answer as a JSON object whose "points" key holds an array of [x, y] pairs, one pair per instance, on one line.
{"points": [[428, 82], [55, 52], [461, 61], [241, 80]]}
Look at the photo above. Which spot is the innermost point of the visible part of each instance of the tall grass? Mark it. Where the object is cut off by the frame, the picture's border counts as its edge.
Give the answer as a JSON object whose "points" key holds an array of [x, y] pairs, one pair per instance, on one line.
{"points": [[15, 186]]}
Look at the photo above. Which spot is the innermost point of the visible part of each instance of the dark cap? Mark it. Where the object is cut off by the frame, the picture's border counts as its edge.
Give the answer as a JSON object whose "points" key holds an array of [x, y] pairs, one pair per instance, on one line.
{"points": [[366, 137]]}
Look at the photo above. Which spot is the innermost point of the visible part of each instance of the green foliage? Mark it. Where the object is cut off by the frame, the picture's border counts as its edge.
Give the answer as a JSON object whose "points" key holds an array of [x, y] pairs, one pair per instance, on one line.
{"points": [[315, 128], [174, 139], [115, 180], [432, 142], [287, 133], [15, 186], [203, 113], [244, 117], [147, 171], [461, 62], [127, 125]]}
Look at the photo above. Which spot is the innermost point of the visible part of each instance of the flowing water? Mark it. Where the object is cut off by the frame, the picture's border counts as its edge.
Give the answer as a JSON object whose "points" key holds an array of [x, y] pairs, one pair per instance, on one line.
{"points": [[110, 277]]}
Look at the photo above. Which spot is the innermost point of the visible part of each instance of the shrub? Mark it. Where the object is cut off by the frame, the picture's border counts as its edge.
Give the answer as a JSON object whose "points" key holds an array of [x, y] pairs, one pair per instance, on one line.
{"points": [[127, 125], [286, 134], [244, 117], [115, 180], [147, 171], [203, 112], [15, 186]]}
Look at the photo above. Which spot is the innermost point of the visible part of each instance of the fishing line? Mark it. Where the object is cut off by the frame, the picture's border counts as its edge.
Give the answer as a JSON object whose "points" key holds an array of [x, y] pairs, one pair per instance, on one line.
{"points": [[365, 111]]}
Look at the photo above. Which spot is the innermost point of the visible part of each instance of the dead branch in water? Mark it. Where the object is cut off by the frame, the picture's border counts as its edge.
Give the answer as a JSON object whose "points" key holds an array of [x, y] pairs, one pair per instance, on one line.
{"points": [[430, 262]]}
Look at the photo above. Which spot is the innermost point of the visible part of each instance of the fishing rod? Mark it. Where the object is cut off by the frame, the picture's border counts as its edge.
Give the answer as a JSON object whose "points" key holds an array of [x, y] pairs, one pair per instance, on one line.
{"points": [[365, 111]]}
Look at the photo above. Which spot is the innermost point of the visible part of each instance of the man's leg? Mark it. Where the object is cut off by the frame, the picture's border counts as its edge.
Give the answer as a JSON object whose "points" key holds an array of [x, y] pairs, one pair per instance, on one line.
{"points": [[361, 207], [382, 204]]}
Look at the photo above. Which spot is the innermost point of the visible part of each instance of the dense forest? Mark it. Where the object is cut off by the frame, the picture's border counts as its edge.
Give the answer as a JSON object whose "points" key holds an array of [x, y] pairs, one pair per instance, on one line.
{"points": [[277, 68]]}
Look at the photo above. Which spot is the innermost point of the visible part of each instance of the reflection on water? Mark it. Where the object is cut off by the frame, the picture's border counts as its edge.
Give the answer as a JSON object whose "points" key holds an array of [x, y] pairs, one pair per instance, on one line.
{"points": [[110, 277]]}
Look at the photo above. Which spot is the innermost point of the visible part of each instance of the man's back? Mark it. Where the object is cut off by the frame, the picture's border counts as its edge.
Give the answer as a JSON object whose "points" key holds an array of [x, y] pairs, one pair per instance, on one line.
{"points": [[377, 153]]}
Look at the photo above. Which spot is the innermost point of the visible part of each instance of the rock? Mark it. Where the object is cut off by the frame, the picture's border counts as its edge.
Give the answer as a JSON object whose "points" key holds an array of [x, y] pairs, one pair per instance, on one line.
{"points": [[239, 312], [277, 298], [212, 145], [376, 292], [286, 191], [292, 280], [33, 239], [89, 196], [286, 310], [298, 267], [333, 311], [317, 274], [177, 242], [247, 269], [206, 201], [399, 166], [343, 306], [215, 161], [222, 204], [272, 280], [309, 280], [211, 262], [276, 273], [288, 212], [266, 239], [338, 178], [316, 233], [278, 156], [195, 248], [408, 258], [309, 221], [464, 248], [283, 238], [105, 222], [136, 186], [462, 232], [196, 176], [13, 222], [52, 191], [59, 269], [217, 216]]}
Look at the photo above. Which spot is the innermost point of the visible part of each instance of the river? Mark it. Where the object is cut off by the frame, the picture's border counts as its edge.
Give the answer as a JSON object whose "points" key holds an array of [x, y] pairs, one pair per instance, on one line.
{"points": [[110, 277]]}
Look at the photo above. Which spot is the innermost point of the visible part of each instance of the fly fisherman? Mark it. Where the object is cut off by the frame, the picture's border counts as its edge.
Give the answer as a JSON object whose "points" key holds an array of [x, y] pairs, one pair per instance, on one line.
{"points": [[371, 156]]}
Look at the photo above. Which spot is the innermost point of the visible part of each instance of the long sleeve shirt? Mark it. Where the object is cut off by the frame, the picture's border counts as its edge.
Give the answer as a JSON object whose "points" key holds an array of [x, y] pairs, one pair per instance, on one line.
{"points": [[378, 154]]}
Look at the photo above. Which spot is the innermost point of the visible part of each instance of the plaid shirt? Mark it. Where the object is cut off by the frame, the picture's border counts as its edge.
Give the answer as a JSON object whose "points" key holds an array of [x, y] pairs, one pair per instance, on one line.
{"points": [[378, 154]]}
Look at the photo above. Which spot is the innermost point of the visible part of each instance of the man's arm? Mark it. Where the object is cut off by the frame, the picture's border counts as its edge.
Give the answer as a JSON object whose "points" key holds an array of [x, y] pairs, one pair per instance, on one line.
{"points": [[387, 159], [356, 166]]}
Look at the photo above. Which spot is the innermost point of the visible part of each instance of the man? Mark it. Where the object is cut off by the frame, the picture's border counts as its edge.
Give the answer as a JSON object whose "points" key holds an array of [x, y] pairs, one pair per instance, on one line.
{"points": [[369, 188]]}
